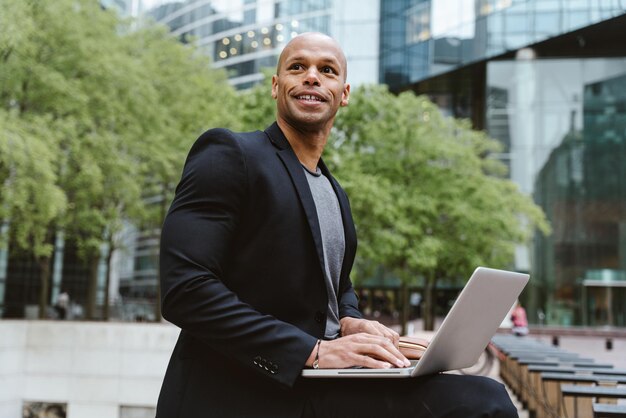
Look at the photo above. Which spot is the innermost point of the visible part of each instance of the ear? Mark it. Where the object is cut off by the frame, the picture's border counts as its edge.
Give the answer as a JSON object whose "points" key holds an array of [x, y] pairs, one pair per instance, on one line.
{"points": [[345, 96], [274, 86]]}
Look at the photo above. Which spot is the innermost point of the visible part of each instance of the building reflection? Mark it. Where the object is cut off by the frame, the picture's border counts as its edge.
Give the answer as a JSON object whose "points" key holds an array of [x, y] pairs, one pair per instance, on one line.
{"points": [[582, 189], [546, 79]]}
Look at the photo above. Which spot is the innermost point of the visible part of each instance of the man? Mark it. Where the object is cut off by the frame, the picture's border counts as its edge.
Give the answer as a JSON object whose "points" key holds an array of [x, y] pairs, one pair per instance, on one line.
{"points": [[256, 252], [63, 303]]}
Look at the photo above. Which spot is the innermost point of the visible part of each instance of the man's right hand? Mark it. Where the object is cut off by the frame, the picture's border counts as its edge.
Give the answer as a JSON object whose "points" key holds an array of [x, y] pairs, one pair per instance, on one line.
{"points": [[365, 350]]}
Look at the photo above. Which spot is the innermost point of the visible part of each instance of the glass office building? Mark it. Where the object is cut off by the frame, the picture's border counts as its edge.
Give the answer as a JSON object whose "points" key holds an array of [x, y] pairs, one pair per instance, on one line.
{"points": [[548, 79], [245, 36]]}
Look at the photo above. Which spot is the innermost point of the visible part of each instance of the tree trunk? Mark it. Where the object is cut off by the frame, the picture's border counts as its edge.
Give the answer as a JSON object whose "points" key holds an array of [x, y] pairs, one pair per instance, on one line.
{"points": [[92, 288], [406, 308], [44, 280], [107, 285], [428, 309]]}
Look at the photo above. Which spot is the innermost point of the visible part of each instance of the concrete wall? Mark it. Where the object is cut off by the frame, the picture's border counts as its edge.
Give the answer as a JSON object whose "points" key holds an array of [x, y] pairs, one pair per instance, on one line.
{"points": [[93, 367]]}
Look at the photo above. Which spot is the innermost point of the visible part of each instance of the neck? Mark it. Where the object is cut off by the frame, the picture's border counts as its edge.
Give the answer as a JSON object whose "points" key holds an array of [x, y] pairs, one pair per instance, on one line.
{"points": [[308, 145]]}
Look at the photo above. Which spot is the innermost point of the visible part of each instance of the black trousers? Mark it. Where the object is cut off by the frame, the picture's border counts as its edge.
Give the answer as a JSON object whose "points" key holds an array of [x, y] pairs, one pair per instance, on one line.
{"points": [[442, 395]]}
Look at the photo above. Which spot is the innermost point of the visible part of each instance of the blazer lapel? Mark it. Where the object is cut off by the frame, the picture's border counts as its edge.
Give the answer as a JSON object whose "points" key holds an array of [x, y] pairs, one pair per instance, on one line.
{"points": [[296, 172]]}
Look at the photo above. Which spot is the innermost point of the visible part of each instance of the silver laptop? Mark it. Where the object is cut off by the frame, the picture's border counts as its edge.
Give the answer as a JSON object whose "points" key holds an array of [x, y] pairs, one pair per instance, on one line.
{"points": [[464, 333]]}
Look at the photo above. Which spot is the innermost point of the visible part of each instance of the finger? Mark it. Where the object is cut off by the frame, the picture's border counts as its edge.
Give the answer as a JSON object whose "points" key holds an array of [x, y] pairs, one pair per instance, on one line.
{"points": [[386, 332], [394, 349], [382, 349], [396, 338], [393, 336], [383, 331], [355, 350], [375, 328], [373, 363]]}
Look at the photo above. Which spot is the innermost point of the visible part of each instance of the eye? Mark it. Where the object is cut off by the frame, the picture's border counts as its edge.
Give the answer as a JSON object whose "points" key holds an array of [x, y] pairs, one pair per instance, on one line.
{"points": [[329, 70], [295, 67]]}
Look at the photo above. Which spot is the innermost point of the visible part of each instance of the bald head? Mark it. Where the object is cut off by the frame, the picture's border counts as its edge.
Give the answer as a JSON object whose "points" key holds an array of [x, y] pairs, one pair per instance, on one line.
{"points": [[321, 41]]}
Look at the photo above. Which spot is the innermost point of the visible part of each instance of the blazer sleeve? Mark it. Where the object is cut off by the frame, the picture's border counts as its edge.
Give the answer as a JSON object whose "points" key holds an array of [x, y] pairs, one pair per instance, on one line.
{"points": [[196, 236], [349, 304]]}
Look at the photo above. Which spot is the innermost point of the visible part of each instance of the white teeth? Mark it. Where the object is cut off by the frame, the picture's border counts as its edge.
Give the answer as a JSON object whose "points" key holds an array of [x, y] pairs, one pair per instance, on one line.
{"points": [[309, 97]]}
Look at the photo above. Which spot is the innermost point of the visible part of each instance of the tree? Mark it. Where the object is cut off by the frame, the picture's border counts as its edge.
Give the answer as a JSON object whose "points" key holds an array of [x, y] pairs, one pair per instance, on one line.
{"points": [[257, 108], [31, 201], [129, 102], [159, 96], [56, 74], [193, 98], [428, 200]]}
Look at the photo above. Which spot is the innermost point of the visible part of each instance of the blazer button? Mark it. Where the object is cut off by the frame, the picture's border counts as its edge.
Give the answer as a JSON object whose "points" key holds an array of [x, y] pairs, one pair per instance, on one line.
{"points": [[319, 317]]}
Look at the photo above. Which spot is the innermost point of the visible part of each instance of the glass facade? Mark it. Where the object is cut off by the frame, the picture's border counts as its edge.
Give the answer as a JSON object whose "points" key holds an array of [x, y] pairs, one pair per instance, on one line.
{"points": [[243, 36], [563, 122], [547, 78], [423, 38]]}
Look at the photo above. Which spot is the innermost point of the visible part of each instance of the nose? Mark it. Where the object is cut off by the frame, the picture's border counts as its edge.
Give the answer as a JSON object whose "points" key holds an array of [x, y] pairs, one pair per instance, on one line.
{"points": [[311, 77]]}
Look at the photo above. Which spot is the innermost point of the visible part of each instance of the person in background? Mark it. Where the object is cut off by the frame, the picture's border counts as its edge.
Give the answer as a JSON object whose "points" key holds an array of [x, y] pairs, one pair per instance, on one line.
{"points": [[520, 322], [63, 303]]}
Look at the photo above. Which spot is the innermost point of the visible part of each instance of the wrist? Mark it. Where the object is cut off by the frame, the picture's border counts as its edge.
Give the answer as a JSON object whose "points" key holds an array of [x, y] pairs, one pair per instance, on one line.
{"points": [[314, 356], [317, 355]]}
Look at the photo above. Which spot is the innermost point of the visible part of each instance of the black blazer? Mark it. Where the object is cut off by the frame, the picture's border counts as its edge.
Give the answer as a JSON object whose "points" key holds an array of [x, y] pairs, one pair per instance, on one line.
{"points": [[242, 275]]}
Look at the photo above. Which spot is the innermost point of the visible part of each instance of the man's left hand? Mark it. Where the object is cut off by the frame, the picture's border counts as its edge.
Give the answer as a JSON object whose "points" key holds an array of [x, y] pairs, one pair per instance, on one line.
{"points": [[351, 325]]}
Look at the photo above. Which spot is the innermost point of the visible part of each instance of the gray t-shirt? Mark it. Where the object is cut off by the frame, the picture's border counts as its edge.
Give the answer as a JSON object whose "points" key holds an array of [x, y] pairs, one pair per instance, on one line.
{"points": [[333, 241]]}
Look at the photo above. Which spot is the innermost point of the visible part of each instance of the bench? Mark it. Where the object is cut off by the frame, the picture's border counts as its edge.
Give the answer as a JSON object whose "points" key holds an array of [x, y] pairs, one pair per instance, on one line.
{"points": [[535, 371], [532, 390], [519, 378], [514, 361], [553, 403], [516, 354], [586, 410], [603, 410], [603, 369], [527, 387]]}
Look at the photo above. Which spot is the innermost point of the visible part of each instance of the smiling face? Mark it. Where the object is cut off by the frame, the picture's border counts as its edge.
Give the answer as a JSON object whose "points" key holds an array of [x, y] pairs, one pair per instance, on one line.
{"points": [[309, 85]]}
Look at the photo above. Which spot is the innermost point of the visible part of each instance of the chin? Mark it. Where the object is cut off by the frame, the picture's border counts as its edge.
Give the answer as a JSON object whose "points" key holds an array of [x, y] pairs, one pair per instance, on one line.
{"points": [[308, 120]]}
